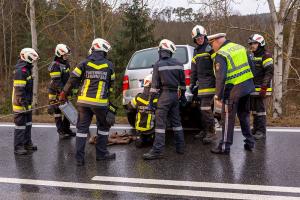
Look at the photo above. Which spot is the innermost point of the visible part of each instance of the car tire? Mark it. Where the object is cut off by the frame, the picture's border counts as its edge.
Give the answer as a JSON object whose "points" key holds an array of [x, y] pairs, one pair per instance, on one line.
{"points": [[190, 117]]}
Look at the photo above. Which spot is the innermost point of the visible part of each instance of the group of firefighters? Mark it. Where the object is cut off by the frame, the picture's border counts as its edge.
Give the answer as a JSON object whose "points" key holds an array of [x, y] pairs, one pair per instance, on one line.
{"points": [[223, 74]]}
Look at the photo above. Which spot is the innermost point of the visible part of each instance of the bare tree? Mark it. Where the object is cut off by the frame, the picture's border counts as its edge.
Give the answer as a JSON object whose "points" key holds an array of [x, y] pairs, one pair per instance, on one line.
{"points": [[93, 19], [218, 8], [34, 46], [290, 48], [4, 36], [279, 19]]}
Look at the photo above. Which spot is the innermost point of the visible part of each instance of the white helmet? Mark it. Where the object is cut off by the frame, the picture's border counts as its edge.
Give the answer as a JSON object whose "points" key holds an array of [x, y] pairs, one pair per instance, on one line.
{"points": [[148, 80], [198, 31], [167, 45], [256, 38], [100, 44], [29, 55], [62, 49]]}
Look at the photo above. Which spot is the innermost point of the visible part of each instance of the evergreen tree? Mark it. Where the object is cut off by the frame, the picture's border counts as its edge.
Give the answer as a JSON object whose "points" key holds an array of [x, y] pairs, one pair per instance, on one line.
{"points": [[136, 32]]}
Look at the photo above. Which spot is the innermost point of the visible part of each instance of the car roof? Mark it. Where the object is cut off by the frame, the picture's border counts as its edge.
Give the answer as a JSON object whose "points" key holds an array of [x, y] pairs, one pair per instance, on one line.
{"points": [[180, 45]]}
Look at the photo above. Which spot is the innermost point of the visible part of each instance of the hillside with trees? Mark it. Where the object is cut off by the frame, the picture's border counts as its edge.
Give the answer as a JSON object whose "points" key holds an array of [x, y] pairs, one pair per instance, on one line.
{"points": [[132, 25]]}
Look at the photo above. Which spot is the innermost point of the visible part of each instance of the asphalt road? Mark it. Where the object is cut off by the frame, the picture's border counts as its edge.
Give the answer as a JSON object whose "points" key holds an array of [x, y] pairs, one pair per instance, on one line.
{"points": [[272, 171]]}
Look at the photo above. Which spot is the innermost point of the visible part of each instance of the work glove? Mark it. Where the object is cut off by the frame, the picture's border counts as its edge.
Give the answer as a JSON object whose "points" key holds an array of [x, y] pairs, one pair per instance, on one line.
{"points": [[194, 90], [151, 107], [62, 97], [110, 118], [27, 108], [263, 91], [74, 92], [51, 110], [111, 114]]}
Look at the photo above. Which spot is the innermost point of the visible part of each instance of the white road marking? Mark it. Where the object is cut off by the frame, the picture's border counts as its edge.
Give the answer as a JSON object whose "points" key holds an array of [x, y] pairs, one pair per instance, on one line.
{"points": [[53, 126], [145, 190], [231, 186], [127, 127]]}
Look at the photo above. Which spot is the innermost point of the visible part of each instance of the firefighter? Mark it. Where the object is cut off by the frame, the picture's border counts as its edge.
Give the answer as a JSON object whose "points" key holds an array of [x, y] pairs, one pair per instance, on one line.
{"points": [[145, 117], [234, 83], [263, 74], [203, 83], [168, 80], [59, 72], [96, 75], [22, 100]]}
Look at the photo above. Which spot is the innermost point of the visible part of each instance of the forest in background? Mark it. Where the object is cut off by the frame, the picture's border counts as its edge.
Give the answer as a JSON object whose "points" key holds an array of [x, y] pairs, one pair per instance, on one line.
{"points": [[129, 26]]}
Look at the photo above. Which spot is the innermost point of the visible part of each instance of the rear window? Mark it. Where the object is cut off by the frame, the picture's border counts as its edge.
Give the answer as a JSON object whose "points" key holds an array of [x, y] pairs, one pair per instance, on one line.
{"points": [[147, 58]]}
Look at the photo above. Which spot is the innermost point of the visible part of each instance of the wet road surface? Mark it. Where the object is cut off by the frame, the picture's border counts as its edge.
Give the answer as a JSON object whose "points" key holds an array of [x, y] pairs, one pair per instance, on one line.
{"points": [[272, 171]]}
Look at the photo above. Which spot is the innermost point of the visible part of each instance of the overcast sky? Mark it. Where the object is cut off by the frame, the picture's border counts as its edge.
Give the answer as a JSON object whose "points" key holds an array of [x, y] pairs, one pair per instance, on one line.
{"points": [[244, 7]]}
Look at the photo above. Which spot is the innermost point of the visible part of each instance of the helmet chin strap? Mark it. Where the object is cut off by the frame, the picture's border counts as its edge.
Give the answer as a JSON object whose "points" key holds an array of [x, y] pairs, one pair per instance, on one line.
{"points": [[163, 53], [259, 49]]}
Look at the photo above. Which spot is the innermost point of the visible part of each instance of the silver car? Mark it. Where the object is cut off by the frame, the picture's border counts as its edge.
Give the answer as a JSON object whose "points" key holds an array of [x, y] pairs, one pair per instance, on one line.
{"points": [[140, 65]]}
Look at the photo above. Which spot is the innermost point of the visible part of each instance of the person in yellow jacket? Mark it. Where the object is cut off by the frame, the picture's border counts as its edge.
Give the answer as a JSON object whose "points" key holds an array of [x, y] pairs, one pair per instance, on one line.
{"points": [[234, 84], [96, 77], [203, 84], [59, 71], [145, 118], [263, 74], [21, 101]]}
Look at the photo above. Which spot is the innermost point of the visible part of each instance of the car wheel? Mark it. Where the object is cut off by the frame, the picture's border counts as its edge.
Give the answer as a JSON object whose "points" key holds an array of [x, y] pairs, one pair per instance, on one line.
{"points": [[190, 117]]}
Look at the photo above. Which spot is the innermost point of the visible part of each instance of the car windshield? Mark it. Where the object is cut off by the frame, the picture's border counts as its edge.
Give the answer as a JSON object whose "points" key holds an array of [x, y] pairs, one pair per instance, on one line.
{"points": [[147, 58]]}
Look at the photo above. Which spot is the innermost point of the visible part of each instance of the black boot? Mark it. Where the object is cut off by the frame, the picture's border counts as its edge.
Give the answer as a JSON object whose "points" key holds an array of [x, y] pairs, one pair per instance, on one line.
{"points": [[30, 147], [259, 135], [139, 143], [180, 150], [80, 150], [70, 132], [20, 151], [63, 135], [218, 150], [210, 137], [179, 141], [101, 149], [151, 155], [248, 147], [107, 156], [200, 135]]}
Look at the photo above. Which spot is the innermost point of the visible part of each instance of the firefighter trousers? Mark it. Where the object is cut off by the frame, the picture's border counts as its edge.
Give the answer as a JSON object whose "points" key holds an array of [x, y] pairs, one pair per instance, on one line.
{"points": [[22, 132], [62, 123], [241, 108], [259, 114], [168, 106], [84, 121], [206, 114]]}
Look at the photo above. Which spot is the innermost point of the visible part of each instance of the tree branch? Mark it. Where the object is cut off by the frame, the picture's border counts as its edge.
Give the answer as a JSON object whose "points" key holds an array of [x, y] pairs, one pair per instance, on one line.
{"points": [[290, 48], [247, 29], [50, 25], [273, 11], [288, 8], [26, 10]]}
